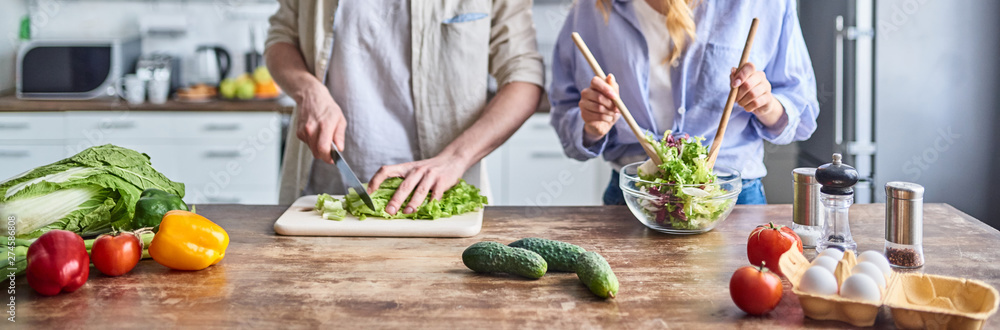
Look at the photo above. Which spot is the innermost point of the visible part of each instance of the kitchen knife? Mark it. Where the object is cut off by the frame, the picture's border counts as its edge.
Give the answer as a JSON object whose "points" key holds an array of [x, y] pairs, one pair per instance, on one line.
{"points": [[349, 177]]}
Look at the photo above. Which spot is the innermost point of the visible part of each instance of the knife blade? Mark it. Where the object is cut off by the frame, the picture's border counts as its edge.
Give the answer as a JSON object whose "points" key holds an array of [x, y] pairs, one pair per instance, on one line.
{"points": [[349, 177]]}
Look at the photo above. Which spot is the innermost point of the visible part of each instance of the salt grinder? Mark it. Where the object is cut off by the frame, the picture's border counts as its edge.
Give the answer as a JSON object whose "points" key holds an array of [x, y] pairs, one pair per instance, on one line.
{"points": [[837, 195], [904, 224], [807, 215]]}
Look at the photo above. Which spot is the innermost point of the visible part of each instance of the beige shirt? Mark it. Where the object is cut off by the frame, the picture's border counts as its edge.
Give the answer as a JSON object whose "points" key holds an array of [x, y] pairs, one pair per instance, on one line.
{"points": [[450, 60]]}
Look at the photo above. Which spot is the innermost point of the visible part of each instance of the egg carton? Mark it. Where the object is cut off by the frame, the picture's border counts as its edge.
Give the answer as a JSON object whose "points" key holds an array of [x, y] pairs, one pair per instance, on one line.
{"points": [[916, 301]]}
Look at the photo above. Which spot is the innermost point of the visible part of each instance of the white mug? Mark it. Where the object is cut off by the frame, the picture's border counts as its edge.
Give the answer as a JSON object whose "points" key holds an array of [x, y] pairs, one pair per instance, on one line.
{"points": [[131, 88], [159, 89]]}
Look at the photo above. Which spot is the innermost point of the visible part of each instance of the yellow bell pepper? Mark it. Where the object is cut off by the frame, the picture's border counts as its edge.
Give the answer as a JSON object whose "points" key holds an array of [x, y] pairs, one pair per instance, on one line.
{"points": [[188, 241]]}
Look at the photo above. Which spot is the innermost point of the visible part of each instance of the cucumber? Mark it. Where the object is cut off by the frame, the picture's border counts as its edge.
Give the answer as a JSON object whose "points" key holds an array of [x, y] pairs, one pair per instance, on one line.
{"points": [[560, 256], [596, 274], [493, 257]]}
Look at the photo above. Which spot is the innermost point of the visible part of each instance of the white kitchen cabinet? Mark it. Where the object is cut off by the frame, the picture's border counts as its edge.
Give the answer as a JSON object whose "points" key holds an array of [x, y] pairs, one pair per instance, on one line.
{"points": [[115, 125], [30, 139], [221, 157], [531, 169], [43, 126], [15, 159], [227, 165]]}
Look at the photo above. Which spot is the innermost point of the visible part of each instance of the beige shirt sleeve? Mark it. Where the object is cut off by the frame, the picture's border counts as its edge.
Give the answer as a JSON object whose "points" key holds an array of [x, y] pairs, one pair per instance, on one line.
{"points": [[513, 50], [284, 24]]}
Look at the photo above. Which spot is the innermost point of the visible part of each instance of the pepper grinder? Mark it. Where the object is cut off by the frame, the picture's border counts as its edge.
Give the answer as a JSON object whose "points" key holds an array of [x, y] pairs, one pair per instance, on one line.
{"points": [[837, 194]]}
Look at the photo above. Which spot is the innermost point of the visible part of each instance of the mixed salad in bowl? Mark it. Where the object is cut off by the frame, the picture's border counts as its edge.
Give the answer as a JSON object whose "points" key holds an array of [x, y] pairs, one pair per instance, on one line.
{"points": [[682, 194]]}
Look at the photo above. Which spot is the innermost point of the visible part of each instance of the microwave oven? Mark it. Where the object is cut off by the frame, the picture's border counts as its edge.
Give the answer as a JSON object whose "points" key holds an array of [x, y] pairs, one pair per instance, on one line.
{"points": [[74, 69]]}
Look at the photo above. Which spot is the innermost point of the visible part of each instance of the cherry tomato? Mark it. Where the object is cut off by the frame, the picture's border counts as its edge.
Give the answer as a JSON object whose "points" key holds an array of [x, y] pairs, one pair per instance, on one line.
{"points": [[115, 255], [768, 242], [755, 290]]}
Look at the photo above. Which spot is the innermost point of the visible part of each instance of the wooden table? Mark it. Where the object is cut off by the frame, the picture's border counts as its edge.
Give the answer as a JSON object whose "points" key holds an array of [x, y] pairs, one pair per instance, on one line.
{"points": [[666, 281]]}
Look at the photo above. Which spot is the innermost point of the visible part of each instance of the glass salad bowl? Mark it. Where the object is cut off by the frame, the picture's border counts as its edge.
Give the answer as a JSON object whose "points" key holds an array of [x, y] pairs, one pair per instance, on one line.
{"points": [[681, 209]]}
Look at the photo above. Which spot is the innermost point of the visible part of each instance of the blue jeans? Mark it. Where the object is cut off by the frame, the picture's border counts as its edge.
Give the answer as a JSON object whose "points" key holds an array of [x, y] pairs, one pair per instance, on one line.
{"points": [[752, 193]]}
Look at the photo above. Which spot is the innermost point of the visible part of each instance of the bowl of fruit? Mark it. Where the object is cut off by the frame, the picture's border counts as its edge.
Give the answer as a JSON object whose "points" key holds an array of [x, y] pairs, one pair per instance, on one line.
{"points": [[246, 87]]}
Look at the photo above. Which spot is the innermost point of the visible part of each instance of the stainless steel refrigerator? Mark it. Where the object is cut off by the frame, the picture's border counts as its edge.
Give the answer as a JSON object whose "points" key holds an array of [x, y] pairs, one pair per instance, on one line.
{"points": [[909, 91]]}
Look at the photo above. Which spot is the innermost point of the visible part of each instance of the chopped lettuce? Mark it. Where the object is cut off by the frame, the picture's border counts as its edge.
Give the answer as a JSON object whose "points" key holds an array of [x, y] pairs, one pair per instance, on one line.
{"points": [[684, 162], [330, 208], [88, 193], [461, 198]]}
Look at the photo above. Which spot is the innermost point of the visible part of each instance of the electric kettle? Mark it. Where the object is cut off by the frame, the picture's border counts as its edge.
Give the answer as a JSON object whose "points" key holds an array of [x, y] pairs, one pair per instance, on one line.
{"points": [[212, 63]]}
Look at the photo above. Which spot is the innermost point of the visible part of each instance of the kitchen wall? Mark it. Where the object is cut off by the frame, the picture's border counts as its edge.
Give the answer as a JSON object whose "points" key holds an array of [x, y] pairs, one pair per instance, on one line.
{"points": [[10, 21], [937, 88], [222, 22]]}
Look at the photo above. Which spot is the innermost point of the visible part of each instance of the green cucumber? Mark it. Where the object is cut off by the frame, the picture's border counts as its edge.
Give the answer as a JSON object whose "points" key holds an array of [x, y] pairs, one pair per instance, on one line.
{"points": [[560, 256], [493, 257], [596, 274]]}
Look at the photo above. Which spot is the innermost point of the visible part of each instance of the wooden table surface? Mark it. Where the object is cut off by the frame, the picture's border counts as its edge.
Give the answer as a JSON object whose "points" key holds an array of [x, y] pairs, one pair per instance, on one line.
{"points": [[666, 281], [10, 103]]}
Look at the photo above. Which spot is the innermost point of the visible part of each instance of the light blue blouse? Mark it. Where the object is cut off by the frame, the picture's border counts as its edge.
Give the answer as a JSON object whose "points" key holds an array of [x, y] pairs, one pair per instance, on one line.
{"points": [[700, 79]]}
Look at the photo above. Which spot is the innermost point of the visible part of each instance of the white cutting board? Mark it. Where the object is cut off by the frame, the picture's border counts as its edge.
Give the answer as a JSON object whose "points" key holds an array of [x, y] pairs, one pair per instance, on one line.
{"points": [[301, 220]]}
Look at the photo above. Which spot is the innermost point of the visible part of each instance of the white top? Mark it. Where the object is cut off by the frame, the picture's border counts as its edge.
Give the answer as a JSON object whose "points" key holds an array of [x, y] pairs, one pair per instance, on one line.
{"points": [[661, 97], [369, 77]]}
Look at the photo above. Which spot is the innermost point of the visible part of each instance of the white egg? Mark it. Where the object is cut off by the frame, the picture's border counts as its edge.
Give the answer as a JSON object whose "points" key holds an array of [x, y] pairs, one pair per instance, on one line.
{"points": [[878, 259], [834, 253], [870, 269], [861, 287], [818, 280], [826, 262]]}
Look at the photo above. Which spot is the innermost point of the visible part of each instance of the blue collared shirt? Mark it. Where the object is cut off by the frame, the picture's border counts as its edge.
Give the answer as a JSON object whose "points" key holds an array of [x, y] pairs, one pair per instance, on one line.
{"points": [[700, 79]]}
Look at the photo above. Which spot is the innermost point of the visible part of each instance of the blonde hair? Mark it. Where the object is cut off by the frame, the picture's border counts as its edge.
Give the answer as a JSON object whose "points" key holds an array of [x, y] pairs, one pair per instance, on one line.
{"points": [[680, 23]]}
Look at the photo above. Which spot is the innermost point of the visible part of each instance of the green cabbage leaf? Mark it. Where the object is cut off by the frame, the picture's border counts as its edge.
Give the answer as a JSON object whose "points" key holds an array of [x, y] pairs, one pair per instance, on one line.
{"points": [[88, 193]]}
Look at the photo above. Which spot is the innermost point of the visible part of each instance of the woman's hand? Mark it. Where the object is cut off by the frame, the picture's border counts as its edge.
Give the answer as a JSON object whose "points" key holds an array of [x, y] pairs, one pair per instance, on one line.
{"points": [[597, 108], [320, 121], [754, 94], [435, 175]]}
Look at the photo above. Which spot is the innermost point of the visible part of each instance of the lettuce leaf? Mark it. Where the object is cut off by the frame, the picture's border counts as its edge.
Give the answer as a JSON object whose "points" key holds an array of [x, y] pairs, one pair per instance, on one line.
{"points": [[88, 193], [461, 198], [684, 162], [330, 208]]}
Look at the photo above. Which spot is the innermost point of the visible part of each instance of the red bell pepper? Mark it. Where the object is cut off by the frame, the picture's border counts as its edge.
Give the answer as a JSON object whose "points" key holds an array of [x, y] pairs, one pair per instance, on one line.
{"points": [[57, 262]]}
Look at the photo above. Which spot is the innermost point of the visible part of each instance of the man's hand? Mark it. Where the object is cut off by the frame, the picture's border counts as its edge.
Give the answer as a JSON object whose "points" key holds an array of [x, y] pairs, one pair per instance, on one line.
{"points": [[505, 113], [320, 121], [435, 175]]}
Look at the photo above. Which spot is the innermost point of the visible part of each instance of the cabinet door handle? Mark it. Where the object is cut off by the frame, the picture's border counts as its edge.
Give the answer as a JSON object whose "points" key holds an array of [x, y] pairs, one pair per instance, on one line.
{"points": [[541, 127], [223, 199], [222, 127], [546, 155], [222, 154], [14, 153], [116, 124], [14, 126]]}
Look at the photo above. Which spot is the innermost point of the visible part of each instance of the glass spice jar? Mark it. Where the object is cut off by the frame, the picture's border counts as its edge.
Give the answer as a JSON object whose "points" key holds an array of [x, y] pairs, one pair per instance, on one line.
{"points": [[904, 219]]}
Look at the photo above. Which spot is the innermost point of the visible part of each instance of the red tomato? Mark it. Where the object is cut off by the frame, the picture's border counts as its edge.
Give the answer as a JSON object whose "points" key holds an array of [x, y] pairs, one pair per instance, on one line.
{"points": [[755, 290], [768, 242], [115, 255]]}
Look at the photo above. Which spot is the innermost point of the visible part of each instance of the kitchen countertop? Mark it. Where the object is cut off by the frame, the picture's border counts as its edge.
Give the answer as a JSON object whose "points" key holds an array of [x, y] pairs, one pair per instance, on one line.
{"points": [[10, 103], [666, 281]]}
